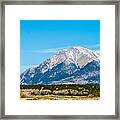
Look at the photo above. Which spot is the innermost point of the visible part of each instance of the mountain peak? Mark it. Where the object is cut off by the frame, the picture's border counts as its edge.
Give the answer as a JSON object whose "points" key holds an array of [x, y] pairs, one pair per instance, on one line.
{"points": [[62, 65], [78, 55], [78, 47]]}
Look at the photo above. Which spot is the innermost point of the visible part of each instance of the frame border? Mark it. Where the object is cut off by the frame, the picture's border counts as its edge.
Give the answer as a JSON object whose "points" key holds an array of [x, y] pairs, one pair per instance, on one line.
{"points": [[62, 2]]}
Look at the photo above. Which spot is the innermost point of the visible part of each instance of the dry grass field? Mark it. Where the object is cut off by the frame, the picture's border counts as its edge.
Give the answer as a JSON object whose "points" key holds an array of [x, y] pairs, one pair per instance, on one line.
{"points": [[60, 97], [60, 92]]}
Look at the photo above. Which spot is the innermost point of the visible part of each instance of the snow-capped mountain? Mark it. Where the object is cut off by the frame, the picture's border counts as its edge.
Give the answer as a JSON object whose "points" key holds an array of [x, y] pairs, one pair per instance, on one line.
{"points": [[75, 65]]}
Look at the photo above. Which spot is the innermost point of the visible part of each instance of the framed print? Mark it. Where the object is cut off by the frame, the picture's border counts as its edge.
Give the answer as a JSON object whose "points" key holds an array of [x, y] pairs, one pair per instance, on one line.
{"points": [[60, 60]]}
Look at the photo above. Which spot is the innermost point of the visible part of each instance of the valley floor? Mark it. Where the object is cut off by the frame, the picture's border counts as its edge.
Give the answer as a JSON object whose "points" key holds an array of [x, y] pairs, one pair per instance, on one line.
{"points": [[60, 97], [60, 92]]}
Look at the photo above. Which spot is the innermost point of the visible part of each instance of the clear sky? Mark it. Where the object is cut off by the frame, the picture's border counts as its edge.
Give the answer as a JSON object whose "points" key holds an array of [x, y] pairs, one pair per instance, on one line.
{"points": [[40, 39]]}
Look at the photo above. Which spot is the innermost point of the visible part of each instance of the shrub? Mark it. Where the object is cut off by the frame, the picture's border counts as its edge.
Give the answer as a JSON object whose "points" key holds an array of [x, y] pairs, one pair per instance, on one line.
{"points": [[45, 92]]}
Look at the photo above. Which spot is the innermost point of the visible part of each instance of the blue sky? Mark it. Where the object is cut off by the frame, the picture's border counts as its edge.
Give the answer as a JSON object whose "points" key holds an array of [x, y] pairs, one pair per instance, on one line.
{"points": [[40, 39]]}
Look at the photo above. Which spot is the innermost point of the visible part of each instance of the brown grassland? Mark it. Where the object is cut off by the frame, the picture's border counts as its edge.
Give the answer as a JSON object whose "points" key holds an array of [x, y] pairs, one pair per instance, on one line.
{"points": [[60, 92], [60, 97]]}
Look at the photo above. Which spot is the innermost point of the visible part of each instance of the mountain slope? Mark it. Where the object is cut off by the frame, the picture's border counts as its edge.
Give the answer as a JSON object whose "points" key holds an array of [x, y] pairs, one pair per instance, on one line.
{"points": [[75, 65]]}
